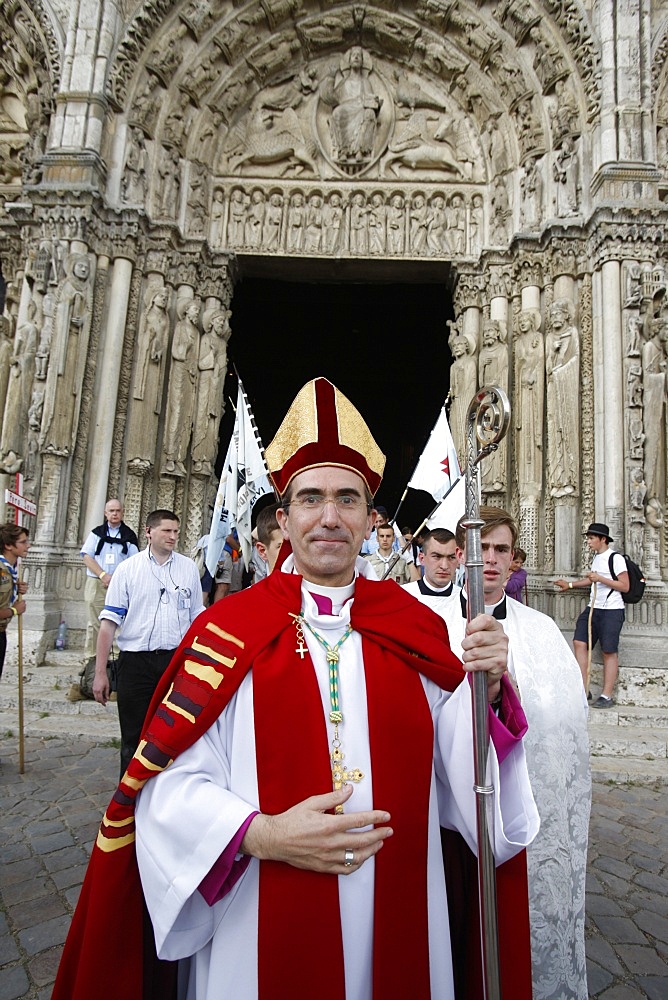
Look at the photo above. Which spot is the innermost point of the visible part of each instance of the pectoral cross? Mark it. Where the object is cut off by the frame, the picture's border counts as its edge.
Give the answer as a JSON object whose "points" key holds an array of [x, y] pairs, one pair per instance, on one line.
{"points": [[341, 775], [301, 648]]}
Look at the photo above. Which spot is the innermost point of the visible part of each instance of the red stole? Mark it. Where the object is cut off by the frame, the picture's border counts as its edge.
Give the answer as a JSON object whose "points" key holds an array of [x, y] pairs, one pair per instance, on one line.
{"points": [[299, 910]]}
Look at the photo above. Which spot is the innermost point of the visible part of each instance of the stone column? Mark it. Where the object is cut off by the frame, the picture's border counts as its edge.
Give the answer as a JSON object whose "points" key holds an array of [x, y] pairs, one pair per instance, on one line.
{"points": [[613, 400], [105, 407]]}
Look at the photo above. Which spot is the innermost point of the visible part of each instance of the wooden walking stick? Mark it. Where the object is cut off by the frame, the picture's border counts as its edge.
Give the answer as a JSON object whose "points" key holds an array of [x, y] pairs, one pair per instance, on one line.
{"points": [[589, 646], [486, 423], [20, 693]]}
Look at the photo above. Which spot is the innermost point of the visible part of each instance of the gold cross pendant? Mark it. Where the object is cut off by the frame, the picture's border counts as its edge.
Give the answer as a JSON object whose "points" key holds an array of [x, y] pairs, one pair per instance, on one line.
{"points": [[301, 649], [341, 775]]}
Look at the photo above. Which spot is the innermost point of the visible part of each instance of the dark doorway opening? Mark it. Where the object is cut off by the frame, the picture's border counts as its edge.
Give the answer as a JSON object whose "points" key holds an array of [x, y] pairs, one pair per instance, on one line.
{"points": [[384, 345]]}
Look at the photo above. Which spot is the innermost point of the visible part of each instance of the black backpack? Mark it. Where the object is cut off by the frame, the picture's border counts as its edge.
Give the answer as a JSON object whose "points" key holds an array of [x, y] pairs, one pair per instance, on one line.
{"points": [[636, 578]]}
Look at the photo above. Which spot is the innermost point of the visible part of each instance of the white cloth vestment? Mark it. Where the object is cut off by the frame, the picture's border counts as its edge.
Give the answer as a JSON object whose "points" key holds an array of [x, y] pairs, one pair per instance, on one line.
{"points": [[557, 752], [189, 813]]}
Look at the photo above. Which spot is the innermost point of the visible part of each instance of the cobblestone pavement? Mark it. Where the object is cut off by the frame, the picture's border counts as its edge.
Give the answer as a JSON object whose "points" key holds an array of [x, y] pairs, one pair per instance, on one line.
{"points": [[51, 813]]}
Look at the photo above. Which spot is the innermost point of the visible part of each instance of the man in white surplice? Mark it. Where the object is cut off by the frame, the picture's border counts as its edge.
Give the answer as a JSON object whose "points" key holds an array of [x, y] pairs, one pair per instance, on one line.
{"points": [[207, 805], [557, 750]]}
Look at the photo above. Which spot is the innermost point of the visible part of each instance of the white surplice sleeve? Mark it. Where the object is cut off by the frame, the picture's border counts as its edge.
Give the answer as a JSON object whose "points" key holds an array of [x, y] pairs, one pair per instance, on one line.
{"points": [[516, 820], [186, 816]]}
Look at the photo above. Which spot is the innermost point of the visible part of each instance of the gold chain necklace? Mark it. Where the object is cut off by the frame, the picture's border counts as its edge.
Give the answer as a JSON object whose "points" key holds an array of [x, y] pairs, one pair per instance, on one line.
{"points": [[341, 774]]}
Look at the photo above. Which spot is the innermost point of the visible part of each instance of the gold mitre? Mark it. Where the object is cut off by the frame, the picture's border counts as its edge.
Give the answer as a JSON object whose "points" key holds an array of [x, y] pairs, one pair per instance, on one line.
{"points": [[322, 427]]}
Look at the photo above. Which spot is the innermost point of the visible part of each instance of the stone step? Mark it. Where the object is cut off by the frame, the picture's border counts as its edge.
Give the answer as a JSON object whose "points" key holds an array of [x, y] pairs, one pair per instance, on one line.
{"points": [[628, 741], [628, 715], [101, 728], [629, 770]]}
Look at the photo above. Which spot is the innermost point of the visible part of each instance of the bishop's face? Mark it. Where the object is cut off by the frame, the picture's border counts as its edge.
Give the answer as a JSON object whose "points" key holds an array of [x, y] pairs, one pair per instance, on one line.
{"points": [[326, 537]]}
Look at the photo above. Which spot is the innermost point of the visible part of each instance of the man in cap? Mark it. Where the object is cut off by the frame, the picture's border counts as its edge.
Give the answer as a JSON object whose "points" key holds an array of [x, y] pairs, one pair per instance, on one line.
{"points": [[557, 751], [301, 752], [606, 607]]}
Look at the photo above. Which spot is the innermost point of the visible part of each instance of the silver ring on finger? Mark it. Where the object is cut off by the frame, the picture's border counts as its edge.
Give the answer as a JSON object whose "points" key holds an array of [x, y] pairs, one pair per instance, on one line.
{"points": [[349, 858]]}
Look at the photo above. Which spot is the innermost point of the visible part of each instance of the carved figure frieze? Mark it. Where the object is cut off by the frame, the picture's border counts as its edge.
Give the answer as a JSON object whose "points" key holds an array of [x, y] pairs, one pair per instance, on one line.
{"points": [[562, 365], [517, 17], [493, 370], [529, 402], [198, 201], [435, 12], [237, 31], [653, 357], [326, 32], [476, 38], [568, 181], [439, 56], [165, 59], [351, 99], [501, 214], [429, 143], [463, 384], [148, 381], [529, 130], [531, 195], [72, 319], [167, 192], [135, 168], [565, 113], [548, 61], [494, 144], [392, 222], [19, 390], [212, 365], [389, 33], [146, 105], [273, 138], [183, 379]]}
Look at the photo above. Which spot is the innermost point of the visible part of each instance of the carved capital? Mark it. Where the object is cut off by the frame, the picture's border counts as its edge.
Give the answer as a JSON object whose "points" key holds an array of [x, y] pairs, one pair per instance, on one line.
{"points": [[467, 294], [529, 271]]}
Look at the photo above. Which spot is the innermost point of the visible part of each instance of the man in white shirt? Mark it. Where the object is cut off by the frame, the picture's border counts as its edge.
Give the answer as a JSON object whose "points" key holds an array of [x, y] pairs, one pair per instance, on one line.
{"points": [[153, 599], [313, 744], [607, 610], [105, 548], [388, 564]]}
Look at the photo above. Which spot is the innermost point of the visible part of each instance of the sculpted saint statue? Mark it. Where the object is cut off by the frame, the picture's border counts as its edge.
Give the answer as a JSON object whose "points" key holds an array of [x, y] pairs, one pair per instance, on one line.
{"points": [[463, 384], [150, 375], [562, 364], [6, 354], [655, 331], [493, 370], [212, 366], [182, 386], [529, 402], [19, 390], [355, 107], [68, 358]]}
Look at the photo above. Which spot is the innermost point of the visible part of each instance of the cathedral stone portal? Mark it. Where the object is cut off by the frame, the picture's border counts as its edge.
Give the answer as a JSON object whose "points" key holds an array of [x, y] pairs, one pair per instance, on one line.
{"points": [[155, 151]]}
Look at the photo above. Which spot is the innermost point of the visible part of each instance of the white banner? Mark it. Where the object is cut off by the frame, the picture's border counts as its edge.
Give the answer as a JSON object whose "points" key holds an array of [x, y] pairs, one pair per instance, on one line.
{"points": [[451, 508], [243, 480], [438, 467]]}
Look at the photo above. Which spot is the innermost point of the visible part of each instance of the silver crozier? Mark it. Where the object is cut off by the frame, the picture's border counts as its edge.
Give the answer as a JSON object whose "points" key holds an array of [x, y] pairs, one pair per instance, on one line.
{"points": [[486, 423]]}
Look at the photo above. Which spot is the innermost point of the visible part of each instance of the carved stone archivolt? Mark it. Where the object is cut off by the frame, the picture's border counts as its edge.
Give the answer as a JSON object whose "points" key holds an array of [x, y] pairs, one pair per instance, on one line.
{"points": [[435, 131]]}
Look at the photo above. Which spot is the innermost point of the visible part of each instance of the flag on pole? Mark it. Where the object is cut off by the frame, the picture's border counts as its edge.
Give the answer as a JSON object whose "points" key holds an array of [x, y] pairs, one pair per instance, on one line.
{"points": [[451, 507], [244, 479], [438, 467]]}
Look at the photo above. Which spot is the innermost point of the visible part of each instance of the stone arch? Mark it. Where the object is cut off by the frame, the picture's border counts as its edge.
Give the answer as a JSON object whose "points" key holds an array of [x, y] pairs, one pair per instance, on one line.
{"points": [[29, 76], [241, 94]]}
